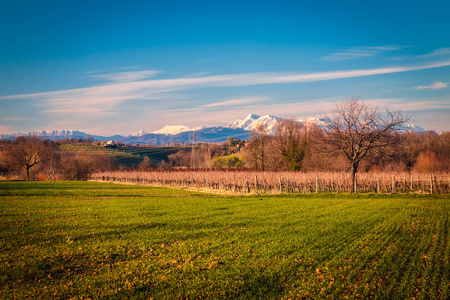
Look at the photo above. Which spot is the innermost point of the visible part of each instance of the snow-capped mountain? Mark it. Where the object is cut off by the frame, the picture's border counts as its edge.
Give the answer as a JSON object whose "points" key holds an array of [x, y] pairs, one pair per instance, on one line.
{"points": [[312, 121], [176, 129], [172, 129], [247, 121], [63, 134], [412, 128], [138, 133], [209, 134], [252, 121], [60, 135], [182, 134]]}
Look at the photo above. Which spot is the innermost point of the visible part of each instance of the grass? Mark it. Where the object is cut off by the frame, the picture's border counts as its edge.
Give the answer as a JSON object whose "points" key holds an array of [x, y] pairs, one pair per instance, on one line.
{"points": [[98, 240]]}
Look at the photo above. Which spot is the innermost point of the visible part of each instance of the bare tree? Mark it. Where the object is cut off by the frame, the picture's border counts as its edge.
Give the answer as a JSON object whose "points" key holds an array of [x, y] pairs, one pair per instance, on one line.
{"points": [[146, 164], [291, 139], [80, 166], [257, 147], [357, 129], [27, 152]]}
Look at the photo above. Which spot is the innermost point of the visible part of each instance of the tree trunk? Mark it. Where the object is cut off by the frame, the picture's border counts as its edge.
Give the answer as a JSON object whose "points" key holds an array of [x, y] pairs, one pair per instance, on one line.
{"points": [[28, 173], [354, 170]]}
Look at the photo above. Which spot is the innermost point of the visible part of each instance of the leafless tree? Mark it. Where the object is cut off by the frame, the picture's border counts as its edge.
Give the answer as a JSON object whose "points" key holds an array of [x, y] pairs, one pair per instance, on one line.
{"points": [[357, 129], [80, 166], [291, 140], [146, 164], [27, 152], [257, 147]]}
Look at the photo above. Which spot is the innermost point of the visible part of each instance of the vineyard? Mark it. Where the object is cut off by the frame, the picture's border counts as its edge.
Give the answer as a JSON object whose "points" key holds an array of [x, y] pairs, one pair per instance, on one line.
{"points": [[155, 153], [127, 156], [244, 182], [118, 157]]}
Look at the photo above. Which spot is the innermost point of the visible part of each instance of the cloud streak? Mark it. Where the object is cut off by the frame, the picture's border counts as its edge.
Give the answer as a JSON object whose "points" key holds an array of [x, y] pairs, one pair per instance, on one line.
{"points": [[359, 52], [106, 101], [147, 89], [127, 76], [237, 102], [434, 86], [437, 52]]}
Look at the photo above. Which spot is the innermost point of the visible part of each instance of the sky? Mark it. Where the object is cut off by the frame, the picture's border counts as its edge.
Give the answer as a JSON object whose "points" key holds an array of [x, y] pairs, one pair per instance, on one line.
{"points": [[116, 67]]}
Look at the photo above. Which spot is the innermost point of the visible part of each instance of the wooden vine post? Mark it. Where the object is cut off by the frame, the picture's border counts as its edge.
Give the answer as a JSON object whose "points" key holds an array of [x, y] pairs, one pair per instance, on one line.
{"points": [[411, 183], [317, 183], [431, 183], [245, 183], [393, 184], [281, 186]]}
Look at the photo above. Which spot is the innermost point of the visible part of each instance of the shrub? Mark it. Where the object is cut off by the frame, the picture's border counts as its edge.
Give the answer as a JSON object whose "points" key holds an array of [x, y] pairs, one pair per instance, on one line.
{"points": [[81, 165], [426, 162]]}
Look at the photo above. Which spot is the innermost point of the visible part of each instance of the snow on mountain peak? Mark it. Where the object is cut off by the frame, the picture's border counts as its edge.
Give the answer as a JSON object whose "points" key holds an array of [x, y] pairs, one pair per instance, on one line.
{"points": [[172, 129], [411, 128], [198, 128], [312, 121], [138, 133], [252, 121], [252, 116]]}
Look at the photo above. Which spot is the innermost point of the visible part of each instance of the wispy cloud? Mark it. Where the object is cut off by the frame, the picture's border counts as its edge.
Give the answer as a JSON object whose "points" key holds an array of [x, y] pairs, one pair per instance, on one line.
{"points": [[404, 104], [434, 86], [437, 53], [147, 89], [237, 102], [359, 52], [198, 74], [106, 101], [113, 70], [127, 76]]}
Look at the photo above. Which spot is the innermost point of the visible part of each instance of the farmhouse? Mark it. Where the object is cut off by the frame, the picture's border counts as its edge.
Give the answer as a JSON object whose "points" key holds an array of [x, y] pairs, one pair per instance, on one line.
{"points": [[110, 144]]}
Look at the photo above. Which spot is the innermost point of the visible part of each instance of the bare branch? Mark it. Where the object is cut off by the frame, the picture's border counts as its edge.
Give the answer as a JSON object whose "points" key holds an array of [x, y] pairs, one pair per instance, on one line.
{"points": [[357, 129]]}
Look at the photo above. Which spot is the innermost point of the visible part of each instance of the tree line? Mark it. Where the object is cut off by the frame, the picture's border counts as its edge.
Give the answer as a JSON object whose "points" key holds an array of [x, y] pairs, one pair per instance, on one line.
{"points": [[35, 158], [356, 136]]}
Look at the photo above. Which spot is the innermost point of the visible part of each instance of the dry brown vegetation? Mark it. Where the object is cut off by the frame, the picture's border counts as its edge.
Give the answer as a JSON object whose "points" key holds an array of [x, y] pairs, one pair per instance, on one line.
{"points": [[34, 158], [267, 182]]}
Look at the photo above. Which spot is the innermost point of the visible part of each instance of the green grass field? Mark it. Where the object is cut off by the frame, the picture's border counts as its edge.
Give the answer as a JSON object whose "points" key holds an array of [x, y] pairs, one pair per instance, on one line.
{"points": [[99, 240]]}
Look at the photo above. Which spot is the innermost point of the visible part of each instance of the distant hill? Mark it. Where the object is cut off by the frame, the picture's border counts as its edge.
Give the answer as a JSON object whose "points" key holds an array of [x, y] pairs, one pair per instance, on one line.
{"points": [[126, 156], [61, 135], [210, 135], [182, 134]]}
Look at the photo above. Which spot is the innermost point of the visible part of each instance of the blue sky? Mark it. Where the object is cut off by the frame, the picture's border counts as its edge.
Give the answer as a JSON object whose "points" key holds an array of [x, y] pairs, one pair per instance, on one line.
{"points": [[115, 67]]}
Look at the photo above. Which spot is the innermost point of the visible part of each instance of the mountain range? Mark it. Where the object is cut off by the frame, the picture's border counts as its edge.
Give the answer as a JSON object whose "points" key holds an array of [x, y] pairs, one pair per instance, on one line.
{"points": [[182, 134]]}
